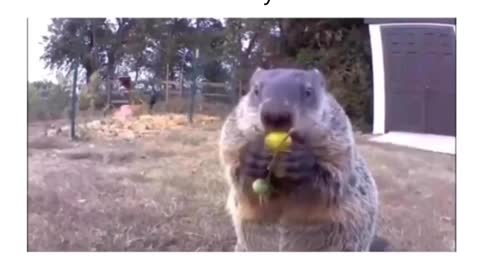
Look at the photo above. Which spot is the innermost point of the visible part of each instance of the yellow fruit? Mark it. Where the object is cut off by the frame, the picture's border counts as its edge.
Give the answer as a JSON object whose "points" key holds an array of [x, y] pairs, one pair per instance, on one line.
{"points": [[261, 186], [278, 141]]}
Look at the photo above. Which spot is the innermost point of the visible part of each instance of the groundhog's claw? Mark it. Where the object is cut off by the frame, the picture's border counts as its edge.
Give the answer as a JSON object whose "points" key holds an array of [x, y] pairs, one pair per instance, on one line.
{"points": [[300, 163], [256, 160]]}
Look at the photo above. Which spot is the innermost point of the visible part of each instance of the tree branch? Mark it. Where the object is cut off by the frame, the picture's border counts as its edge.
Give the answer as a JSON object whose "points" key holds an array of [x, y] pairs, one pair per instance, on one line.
{"points": [[251, 44]]}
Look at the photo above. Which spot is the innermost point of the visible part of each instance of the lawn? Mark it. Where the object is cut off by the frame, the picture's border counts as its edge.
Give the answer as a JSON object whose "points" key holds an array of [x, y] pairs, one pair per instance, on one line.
{"points": [[164, 191]]}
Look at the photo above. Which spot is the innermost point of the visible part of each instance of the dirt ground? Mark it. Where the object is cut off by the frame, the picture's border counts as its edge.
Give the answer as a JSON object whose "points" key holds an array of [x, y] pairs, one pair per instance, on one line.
{"points": [[166, 193]]}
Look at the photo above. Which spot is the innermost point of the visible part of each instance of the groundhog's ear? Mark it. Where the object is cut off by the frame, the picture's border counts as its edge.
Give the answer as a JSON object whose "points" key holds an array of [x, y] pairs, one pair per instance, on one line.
{"points": [[256, 73], [258, 70], [316, 71], [319, 77]]}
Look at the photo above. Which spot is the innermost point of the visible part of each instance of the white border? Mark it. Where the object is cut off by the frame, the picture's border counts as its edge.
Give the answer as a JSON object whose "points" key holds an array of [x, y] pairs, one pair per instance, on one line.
{"points": [[13, 154], [378, 67]]}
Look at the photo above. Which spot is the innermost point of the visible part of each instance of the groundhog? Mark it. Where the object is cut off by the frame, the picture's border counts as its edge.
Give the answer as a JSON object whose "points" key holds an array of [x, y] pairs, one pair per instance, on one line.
{"points": [[326, 198]]}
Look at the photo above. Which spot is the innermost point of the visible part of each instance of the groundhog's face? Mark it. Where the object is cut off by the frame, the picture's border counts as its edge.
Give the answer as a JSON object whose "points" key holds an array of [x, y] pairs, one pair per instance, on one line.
{"points": [[279, 99]]}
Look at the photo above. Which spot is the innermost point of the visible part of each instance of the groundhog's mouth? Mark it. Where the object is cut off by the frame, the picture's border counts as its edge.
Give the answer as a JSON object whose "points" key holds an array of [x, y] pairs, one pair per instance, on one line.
{"points": [[281, 129], [277, 126]]}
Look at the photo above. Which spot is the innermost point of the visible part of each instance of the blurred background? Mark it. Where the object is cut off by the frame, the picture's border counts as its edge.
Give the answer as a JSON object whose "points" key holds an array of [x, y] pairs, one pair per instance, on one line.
{"points": [[157, 55]]}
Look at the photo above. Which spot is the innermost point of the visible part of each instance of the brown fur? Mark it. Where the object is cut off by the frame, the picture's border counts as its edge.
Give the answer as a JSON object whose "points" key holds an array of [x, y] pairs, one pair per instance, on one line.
{"points": [[282, 209], [338, 220]]}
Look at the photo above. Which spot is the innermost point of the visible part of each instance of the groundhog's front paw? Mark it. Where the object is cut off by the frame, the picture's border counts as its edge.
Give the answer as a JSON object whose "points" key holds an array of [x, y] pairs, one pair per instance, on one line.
{"points": [[300, 163], [256, 160]]}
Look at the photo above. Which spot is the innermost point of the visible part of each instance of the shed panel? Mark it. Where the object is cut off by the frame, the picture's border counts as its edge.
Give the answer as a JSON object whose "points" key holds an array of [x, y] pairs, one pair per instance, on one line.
{"points": [[420, 78]]}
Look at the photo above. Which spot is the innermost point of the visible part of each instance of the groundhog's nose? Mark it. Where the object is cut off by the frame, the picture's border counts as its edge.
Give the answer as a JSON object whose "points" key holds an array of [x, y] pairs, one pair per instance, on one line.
{"points": [[276, 117]]}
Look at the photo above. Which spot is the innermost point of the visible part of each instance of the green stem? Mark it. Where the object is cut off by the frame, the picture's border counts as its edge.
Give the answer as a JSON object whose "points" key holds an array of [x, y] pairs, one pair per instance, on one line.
{"points": [[275, 157]]}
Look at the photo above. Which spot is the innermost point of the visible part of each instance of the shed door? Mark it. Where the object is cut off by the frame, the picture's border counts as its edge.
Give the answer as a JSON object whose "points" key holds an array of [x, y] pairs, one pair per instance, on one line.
{"points": [[420, 79]]}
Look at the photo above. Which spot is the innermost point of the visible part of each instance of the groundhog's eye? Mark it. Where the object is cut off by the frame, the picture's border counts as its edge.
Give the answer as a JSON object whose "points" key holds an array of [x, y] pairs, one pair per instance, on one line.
{"points": [[307, 91], [256, 90]]}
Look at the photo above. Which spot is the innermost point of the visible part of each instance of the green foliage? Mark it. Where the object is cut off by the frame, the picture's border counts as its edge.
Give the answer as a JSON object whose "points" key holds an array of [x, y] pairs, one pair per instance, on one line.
{"points": [[86, 102], [347, 66], [91, 97], [74, 39], [229, 49], [47, 101]]}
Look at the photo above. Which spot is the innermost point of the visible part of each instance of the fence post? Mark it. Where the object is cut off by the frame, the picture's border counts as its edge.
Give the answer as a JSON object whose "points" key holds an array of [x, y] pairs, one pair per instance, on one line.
{"points": [[193, 88], [232, 86], [167, 86], [74, 102]]}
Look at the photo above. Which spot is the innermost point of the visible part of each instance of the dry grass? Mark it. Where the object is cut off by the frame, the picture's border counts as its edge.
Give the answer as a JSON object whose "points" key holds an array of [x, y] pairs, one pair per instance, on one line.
{"points": [[166, 193]]}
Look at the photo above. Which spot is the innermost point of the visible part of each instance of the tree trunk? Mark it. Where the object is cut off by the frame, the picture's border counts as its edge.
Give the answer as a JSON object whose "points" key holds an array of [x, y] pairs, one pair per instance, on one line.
{"points": [[89, 72], [91, 45], [181, 84], [136, 76], [167, 85], [110, 78], [109, 90]]}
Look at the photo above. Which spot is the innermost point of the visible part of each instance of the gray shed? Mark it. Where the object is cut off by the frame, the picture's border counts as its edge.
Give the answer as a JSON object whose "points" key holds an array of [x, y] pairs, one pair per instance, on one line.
{"points": [[414, 74]]}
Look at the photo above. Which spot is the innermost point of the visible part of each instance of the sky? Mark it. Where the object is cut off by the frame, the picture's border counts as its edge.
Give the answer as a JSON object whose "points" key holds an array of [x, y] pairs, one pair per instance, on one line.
{"points": [[37, 27]]}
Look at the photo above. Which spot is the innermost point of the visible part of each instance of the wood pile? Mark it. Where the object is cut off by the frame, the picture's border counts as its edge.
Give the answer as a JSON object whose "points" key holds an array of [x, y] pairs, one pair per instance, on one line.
{"points": [[136, 126]]}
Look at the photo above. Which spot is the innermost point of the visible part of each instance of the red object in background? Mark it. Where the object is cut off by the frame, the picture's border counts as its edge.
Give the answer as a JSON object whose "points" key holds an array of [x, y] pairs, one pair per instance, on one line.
{"points": [[126, 82], [123, 113]]}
